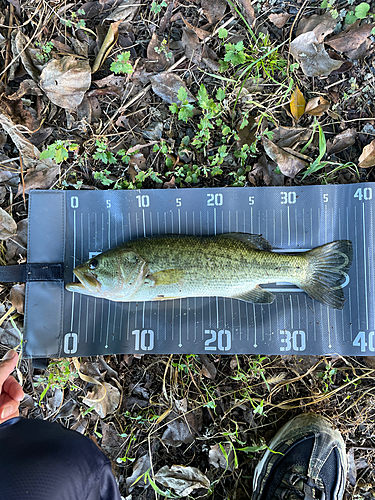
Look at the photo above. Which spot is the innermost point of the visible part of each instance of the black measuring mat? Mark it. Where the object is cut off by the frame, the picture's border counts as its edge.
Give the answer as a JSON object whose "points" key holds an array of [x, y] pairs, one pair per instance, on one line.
{"points": [[73, 226]]}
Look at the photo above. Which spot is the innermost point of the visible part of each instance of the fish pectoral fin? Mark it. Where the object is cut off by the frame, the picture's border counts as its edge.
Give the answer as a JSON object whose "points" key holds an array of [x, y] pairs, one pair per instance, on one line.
{"points": [[168, 276], [256, 295], [254, 241]]}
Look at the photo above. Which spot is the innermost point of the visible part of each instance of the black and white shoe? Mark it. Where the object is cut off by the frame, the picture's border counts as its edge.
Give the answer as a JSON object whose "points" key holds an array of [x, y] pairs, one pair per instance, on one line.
{"points": [[305, 460]]}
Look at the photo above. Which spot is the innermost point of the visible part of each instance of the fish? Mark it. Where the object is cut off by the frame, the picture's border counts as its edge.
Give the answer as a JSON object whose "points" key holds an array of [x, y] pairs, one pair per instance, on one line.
{"points": [[230, 265]]}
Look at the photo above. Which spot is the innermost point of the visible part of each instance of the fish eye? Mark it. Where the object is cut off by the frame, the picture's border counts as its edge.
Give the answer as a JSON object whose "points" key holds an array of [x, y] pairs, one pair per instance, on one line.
{"points": [[93, 264]]}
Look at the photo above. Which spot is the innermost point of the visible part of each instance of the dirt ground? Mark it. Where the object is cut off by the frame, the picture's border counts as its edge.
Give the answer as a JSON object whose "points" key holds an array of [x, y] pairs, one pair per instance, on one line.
{"points": [[169, 94]]}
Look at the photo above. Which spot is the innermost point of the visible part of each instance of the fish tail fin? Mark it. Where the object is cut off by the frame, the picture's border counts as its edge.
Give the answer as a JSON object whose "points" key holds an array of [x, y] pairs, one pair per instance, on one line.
{"points": [[327, 271]]}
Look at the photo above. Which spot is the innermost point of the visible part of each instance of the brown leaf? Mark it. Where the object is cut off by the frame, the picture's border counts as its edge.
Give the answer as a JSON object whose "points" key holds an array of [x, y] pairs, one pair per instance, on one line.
{"points": [[166, 85], [279, 20], [17, 246], [8, 227], [106, 399], [107, 45], [317, 106], [184, 480], [208, 368], [214, 10], [287, 163], [312, 56], [289, 136], [342, 141], [66, 81], [192, 46], [351, 38], [297, 104], [201, 34], [124, 12], [367, 158], [138, 161], [170, 184], [39, 179], [264, 172], [19, 115], [217, 458], [247, 11], [320, 25], [17, 297], [22, 48], [28, 87], [158, 56]]}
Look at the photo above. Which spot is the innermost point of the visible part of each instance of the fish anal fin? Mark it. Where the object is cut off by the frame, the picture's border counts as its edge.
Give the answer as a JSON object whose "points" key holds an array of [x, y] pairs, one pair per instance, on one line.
{"points": [[168, 276], [256, 295], [254, 241]]}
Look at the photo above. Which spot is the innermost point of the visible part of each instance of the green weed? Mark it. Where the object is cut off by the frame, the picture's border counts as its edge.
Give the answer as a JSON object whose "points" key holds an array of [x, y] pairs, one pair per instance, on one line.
{"points": [[122, 64], [45, 51], [103, 154], [58, 376], [58, 151]]}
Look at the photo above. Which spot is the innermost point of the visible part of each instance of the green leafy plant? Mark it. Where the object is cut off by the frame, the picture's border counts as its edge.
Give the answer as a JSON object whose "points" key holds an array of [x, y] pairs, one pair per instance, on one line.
{"points": [[185, 110], [45, 51], [327, 376], [317, 164], [103, 154], [156, 7], [122, 64], [163, 49], [58, 376], [58, 150], [103, 177], [74, 21], [360, 12]]}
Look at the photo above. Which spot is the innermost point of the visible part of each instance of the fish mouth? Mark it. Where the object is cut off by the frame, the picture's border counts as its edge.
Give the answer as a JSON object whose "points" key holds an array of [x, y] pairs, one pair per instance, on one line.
{"points": [[88, 282]]}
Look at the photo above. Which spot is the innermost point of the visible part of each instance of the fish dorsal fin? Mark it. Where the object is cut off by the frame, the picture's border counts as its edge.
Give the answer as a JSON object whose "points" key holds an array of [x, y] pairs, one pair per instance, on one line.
{"points": [[256, 295], [254, 241], [168, 276]]}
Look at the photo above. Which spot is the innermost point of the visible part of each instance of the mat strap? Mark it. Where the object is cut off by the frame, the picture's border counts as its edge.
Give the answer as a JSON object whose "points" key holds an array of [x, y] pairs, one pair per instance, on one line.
{"points": [[31, 272]]}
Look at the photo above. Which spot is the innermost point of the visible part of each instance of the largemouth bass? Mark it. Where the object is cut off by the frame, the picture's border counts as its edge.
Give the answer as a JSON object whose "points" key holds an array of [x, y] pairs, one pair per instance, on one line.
{"points": [[228, 265]]}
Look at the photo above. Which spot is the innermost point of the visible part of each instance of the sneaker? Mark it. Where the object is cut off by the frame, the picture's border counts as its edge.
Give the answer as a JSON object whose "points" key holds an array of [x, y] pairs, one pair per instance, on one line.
{"points": [[305, 460]]}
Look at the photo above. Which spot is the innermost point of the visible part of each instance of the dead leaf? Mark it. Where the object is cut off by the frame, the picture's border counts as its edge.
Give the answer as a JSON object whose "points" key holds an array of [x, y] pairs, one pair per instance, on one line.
{"points": [[217, 458], [317, 106], [24, 146], [111, 441], [184, 480], [16, 111], [22, 47], [177, 433], [141, 465], [342, 141], [312, 56], [17, 297], [156, 55], [192, 45], [214, 11], [264, 172], [297, 104], [66, 81], [17, 246], [166, 85], [289, 136], [279, 20], [106, 47], [138, 161], [208, 368], [201, 34], [27, 87], [367, 158], [8, 227], [170, 184], [321, 25], [125, 12], [39, 179], [351, 39], [287, 163], [104, 397], [247, 11]]}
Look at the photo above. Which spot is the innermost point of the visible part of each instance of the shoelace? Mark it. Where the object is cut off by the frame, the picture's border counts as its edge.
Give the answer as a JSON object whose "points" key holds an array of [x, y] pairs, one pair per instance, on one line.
{"points": [[297, 486]]}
